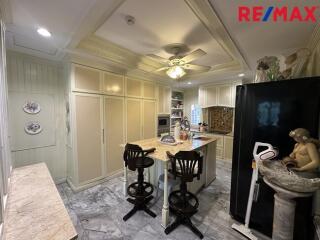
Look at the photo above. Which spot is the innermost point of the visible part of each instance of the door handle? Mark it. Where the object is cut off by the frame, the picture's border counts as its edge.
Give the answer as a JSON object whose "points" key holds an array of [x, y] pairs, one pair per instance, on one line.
{"points": [[103, 136]]}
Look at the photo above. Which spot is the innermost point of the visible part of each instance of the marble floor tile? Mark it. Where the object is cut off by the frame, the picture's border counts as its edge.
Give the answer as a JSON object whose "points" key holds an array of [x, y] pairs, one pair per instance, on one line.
{"points": [[97, 212]]}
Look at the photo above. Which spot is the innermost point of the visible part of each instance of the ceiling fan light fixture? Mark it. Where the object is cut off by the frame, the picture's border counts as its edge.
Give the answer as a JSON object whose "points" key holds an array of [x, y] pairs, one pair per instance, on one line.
{"points": [[176, 72]]}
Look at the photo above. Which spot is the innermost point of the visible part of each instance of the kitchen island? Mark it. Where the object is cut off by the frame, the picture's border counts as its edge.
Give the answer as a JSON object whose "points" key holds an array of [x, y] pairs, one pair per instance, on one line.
{"points": [[206, 145]]}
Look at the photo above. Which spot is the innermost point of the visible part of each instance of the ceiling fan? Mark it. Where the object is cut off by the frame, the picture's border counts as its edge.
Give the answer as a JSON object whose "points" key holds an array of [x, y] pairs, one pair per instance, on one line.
{"points": [[177, 65]]}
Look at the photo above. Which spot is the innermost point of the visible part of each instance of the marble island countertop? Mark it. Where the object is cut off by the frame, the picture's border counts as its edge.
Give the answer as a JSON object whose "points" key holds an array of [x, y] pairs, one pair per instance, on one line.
{"points": [[161, 148], [35, 209]]}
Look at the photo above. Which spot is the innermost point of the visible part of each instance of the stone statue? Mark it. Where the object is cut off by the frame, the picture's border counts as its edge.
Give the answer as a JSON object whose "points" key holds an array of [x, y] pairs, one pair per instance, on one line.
{"points": [[305, 155]]}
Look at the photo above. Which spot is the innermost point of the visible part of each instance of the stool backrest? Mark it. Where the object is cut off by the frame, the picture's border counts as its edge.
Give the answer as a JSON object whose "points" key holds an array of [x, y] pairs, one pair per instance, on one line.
{"points": [[134, 152], [186, 165]]}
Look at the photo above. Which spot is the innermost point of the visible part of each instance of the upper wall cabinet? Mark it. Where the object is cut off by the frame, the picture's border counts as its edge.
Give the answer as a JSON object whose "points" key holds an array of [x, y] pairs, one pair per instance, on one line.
{"points": [[218, 95], [225, 95], [113, 84], [134, 88], [86, 79], [164, 99], [212, 96], [149, 90]]}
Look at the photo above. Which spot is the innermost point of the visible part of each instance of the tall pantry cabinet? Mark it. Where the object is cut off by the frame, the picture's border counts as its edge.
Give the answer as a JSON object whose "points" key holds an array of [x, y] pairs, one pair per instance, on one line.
{"points": [[106, 110]]}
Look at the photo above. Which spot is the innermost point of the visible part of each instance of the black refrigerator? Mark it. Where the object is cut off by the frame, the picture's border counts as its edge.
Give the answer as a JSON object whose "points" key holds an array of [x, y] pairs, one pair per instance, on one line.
{"points": [[267, 112]]}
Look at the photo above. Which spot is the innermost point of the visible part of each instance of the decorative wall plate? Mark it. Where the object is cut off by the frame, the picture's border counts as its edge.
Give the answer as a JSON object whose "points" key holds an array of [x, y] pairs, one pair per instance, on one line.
{"points": [[33, 128], [31, 107]]}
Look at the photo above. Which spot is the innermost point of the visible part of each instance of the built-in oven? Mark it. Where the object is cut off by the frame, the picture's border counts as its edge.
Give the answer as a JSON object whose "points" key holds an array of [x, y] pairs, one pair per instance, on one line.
{"points": [[163, 124]]}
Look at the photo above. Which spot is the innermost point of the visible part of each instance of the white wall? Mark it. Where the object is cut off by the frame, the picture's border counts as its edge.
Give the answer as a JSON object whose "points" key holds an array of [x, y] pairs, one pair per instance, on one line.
{"points": [[30, 75], [190, 97]]}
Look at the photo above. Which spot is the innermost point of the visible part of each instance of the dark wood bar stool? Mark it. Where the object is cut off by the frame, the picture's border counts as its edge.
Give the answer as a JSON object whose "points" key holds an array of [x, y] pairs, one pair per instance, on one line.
{"points": [[185, 165], [140, 191]]}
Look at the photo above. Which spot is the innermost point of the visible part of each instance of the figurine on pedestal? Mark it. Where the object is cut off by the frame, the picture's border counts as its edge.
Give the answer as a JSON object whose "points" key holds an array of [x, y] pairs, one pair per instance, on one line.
{"points": [[305, 155]]}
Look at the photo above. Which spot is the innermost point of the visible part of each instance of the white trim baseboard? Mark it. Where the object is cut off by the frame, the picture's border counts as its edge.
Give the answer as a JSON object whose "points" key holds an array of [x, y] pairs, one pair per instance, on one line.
{"points": [[91, 184]]}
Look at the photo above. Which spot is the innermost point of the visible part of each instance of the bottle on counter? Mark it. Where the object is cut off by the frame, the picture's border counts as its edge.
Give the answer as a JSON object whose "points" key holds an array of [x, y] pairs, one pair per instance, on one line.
{"points": [[177, 131]]}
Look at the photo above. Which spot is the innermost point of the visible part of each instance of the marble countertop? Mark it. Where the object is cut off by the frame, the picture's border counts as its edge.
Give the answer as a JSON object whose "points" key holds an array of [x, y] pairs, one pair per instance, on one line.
{"points": [[161, 149], [212, 133], [35, 209]]}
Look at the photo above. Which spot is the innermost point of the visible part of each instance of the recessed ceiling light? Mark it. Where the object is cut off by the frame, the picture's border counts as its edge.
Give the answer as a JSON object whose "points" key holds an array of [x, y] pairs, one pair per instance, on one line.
{"points": [[241, 75], [44, 32], [189, 83]]}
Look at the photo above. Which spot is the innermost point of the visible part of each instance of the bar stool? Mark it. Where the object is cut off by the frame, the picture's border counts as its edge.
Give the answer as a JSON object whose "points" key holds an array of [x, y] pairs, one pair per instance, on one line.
{"points": [[140, 191], [185, 165]]}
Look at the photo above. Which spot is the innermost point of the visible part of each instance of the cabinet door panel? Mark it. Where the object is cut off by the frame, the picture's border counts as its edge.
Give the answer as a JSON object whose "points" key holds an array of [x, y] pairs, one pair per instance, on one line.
{"points": [[211, 96], [161, 99], [167, 100], [113, 84], [149, 119], [225, 95], [114, 132], [228, 147], [86, 79], [149, 90], [89, 136], [134, 121], [202, 97], [134, 88], [219, 140]]}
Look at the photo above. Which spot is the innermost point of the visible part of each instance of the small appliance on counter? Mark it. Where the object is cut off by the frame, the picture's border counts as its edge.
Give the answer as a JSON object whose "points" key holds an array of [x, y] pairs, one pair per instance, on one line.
{"points": [[169, 140], [163, 124]]}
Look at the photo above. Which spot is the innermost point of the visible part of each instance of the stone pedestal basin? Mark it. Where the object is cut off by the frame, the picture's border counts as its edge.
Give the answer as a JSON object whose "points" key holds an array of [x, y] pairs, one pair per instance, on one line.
{"points": [[288, 186], [277, 173]]}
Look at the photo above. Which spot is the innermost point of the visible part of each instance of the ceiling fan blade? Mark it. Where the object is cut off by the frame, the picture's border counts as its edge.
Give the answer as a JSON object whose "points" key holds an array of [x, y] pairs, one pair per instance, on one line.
{"points": [[193, 56], [158, 58], [197, 67], [161, 69]]}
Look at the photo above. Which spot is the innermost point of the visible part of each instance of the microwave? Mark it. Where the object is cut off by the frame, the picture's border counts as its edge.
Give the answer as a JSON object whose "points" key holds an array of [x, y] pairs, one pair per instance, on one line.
{"points": [[163, 121]]}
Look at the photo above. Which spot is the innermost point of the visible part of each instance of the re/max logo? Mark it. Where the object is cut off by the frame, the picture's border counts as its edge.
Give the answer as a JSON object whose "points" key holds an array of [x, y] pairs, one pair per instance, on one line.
{"points": [[272, 13]]}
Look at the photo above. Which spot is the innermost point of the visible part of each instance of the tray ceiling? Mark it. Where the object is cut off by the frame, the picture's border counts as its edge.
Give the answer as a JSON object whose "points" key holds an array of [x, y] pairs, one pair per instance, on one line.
{"points": [[96, 30], [158, 23]]}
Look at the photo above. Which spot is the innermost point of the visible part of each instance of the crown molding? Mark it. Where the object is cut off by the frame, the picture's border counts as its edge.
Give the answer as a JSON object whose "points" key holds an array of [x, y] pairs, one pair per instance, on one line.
{"points": [[87, 58]]}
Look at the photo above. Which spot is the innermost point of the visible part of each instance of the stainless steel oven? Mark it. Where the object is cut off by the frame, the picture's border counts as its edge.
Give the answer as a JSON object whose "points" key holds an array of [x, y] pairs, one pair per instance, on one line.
{"points": [[163, 124]]}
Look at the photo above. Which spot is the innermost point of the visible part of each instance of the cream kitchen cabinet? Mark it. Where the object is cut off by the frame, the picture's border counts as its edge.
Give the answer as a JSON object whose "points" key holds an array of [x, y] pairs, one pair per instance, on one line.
{"points": [[134, 119], [113, 84], [225, 95], [97, 131], [85, 79], [102, 117], [217, 95], [220, 145], [228, 147], [224, 146], [164, 99], [212, 96], [134, 87], [87, 137], [202, 97], [149, 126], [141, 119], [149, 90], [114, 133]]}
